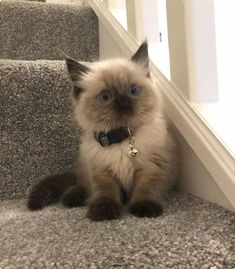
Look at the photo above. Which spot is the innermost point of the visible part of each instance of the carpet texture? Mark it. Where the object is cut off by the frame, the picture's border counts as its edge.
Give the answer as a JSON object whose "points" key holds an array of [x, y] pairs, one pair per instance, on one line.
{"points": [[34, 30], [191, 234], [38, 133]]}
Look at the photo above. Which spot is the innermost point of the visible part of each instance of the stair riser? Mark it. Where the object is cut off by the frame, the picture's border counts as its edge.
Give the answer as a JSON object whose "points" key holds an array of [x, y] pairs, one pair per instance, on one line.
{"points": [[39, 135]]}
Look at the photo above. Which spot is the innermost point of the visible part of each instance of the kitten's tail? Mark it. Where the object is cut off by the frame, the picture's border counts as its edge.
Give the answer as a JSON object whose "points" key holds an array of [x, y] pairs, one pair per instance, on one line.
{"points": [[50, 190]]}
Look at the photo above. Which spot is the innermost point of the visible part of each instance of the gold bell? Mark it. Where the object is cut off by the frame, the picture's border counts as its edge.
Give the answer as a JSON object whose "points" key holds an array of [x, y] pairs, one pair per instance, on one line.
{"points": [[133, 151]]}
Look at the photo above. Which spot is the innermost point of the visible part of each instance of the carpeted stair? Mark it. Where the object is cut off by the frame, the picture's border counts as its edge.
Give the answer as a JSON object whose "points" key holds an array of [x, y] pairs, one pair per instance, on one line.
{"points": [[33, 30], [39, 137], [38, 134]]}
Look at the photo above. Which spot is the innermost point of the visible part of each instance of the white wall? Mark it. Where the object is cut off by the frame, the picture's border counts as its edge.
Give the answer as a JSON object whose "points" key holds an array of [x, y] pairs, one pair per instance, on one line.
{"points": [[196, 179], [108, 47]]}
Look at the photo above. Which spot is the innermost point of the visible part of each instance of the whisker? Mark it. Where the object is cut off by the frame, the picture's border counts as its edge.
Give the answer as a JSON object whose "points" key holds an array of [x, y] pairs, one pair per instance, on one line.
{"points": [[105, 122]]}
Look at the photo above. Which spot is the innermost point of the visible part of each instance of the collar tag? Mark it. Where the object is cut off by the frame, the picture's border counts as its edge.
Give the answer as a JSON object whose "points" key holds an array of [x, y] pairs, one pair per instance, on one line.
{"points": [[133, 150]]}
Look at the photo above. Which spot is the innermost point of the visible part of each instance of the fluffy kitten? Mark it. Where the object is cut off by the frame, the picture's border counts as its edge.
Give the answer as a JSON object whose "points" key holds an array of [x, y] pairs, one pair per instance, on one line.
{"points": [[109, 98]]}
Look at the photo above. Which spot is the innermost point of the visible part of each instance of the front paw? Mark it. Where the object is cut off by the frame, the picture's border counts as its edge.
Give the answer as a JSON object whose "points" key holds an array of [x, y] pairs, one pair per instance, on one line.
{"points": [[104, 208], [150, 209]]}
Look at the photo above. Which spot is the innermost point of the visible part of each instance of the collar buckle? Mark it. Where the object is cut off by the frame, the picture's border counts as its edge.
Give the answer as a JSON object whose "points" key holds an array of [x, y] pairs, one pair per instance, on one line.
{"points": [[102, 139], [112, 137]]}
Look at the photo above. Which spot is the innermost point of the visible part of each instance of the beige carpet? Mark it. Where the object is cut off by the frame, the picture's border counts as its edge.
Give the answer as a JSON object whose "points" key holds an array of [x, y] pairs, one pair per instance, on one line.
{"points": [[191, 234]]}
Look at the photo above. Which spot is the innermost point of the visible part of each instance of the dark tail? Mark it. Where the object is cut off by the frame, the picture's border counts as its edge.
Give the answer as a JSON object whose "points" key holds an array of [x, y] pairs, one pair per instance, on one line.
{"points": [[50, 190]]}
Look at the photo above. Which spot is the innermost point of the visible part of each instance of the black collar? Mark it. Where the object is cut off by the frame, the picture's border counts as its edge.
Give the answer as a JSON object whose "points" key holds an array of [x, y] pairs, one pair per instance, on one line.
{"points": [[113, 136]]}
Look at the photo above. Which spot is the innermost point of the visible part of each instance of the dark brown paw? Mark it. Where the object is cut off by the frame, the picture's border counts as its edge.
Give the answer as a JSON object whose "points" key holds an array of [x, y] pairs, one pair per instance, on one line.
{"points": [[148, 209], [75, 196], [104, 208]]}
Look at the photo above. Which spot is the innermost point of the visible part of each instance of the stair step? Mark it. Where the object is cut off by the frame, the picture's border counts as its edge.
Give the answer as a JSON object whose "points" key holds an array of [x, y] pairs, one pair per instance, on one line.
{"points": [[38, 133], [191, 234], [34, 30]]}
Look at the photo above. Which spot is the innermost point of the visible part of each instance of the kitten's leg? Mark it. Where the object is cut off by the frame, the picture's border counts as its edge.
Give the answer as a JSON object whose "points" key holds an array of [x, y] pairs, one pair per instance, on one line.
{"points": [[50, 190], [106, 201], [147, 194], [78, 194], [75, 196]]}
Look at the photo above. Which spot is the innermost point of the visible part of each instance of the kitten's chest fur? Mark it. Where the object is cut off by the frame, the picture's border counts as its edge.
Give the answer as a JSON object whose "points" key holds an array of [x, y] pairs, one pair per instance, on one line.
{"points": [[116, 157]]}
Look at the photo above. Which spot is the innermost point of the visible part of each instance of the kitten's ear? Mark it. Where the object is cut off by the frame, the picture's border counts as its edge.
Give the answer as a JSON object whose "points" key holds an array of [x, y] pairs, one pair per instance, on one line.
{"points": [[76, 71], [141, 57]]}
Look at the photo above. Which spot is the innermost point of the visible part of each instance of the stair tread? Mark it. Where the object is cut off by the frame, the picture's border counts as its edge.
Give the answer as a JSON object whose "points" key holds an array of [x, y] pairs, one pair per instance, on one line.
{"points": [[37, 30], [38, 133], [191, 234]]}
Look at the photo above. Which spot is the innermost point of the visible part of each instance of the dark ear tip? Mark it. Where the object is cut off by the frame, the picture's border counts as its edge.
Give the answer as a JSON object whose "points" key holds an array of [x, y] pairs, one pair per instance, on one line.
{"points": [[75, 67], [67, 60], [144, 46], [144, 43], [70, 62], [141, 55]]}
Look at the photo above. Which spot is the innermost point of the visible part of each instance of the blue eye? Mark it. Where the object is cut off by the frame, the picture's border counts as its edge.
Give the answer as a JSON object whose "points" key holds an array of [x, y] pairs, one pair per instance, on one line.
{"points": [[133, 90], [105, 96]]}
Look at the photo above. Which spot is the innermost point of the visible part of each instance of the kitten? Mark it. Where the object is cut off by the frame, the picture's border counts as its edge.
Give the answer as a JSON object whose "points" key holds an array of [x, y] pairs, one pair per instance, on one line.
{"points": [[127, 153]]}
